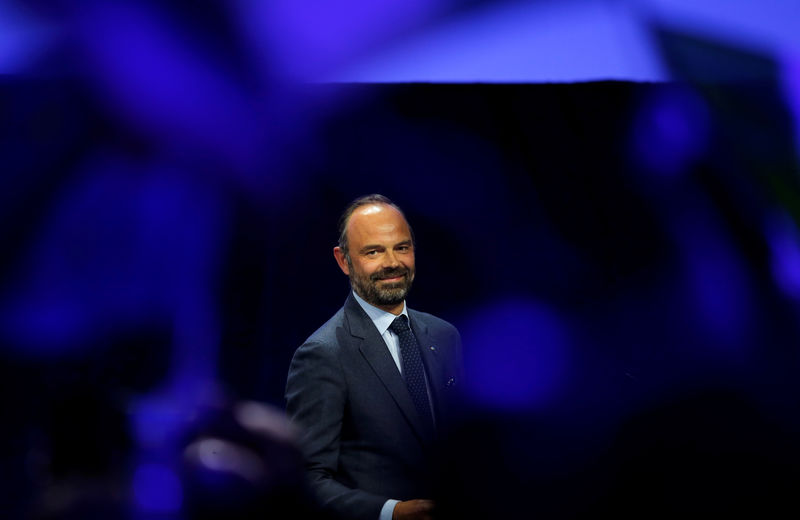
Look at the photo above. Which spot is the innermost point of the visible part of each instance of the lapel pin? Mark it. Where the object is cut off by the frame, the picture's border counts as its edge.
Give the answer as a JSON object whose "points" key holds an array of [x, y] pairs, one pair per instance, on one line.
{"points": [[433, 348], [451, 382]]}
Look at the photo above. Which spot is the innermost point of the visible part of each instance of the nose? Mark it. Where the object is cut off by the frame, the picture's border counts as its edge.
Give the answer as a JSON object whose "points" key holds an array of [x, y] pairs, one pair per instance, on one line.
{"points": [[390, 259]]}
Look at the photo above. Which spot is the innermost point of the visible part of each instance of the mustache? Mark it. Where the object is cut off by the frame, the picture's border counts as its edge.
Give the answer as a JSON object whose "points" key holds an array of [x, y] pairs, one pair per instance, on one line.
{"points": [[391, 272]]}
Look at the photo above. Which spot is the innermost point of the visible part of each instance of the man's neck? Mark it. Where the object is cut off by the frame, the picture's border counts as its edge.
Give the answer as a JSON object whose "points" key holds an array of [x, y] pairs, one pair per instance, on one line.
{"points": [[396, 309]]}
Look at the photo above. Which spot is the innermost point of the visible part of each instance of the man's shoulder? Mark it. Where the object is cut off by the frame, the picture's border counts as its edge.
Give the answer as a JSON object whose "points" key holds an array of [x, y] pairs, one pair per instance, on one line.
{"points": [[327, 333], [323, 344]]}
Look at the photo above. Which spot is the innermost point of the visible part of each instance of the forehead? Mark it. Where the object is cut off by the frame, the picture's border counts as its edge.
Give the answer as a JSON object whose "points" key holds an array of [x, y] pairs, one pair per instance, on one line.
{"points": [[377, 223]]}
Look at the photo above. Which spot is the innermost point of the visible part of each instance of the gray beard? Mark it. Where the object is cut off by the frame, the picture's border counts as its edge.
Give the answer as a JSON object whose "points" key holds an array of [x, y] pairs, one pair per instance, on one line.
{"points": [[381, 294]]}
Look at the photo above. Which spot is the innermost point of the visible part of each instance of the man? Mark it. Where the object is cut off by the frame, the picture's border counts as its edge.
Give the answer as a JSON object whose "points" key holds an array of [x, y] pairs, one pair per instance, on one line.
{"points": [[371, 395]]}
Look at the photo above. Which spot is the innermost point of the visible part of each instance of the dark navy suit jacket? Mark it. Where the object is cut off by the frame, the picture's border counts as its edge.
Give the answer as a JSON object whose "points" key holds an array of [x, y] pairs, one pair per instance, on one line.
{"points": [[363, 440]]}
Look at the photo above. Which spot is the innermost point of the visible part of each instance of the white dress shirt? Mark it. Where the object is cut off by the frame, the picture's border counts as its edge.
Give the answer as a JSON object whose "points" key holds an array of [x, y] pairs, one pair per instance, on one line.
{"points": [[382, 321]]}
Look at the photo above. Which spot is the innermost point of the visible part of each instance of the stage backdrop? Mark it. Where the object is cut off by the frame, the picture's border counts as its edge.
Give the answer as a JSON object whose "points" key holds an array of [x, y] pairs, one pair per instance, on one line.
{"points": [[606, 249]]}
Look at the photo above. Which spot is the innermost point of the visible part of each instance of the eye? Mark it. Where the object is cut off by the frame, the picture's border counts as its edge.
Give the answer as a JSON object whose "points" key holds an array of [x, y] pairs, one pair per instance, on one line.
{"points": [[371, 253], [403, 248]]}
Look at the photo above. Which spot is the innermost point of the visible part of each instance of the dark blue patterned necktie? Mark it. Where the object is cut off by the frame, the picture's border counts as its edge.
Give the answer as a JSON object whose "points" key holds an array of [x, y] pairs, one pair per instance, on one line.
{"points": [[413, 370]]}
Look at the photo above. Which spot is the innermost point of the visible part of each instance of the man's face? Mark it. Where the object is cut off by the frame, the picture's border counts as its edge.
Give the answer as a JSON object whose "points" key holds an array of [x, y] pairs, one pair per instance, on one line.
{"points": [[381, 265]]}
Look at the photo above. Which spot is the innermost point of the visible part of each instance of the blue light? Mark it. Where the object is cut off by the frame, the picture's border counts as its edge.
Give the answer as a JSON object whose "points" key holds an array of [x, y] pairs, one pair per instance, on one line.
{"points": [[520, 42], [717, 284], [784, 243], [48, 324], [163, 83], [23, 38], [516, 355], [157, 489], [790, 82], [670, 131], [306, 39]]}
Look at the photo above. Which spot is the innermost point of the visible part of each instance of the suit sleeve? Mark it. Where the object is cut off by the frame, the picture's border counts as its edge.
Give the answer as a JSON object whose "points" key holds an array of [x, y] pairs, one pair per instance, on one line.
{"points": [[316, 395]]}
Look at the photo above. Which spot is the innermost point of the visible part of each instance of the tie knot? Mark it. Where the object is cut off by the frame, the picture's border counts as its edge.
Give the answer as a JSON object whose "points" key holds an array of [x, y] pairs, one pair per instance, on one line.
{"points": [[400, 324]]}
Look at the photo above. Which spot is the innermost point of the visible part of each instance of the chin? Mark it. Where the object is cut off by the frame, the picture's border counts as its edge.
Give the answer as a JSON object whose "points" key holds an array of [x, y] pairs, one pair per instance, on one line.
{"points": [[392, 299]]}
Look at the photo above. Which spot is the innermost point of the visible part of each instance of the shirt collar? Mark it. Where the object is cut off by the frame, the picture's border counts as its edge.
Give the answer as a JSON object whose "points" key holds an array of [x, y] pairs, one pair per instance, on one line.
{"points": [[380, 317]]}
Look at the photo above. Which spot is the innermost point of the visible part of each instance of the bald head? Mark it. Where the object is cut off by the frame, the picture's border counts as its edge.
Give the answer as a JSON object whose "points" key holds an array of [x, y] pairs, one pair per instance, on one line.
{"points": [[360, 202]]}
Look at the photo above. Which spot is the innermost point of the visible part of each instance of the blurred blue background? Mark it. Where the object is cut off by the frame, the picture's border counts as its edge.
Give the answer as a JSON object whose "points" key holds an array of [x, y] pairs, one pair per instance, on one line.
{"points": [[605, 195]]}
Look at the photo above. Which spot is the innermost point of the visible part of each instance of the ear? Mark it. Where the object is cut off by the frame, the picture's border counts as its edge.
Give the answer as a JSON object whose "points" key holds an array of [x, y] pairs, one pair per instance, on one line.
{"points": [[339, 255]]}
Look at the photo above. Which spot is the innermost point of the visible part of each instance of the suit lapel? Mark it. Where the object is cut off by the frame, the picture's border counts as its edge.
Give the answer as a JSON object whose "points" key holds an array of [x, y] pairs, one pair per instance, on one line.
{"points": [[374, 350]]}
